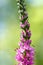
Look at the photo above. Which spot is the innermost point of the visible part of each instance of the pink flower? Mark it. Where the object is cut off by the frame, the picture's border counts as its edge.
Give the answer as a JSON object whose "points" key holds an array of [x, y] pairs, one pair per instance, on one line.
{"points": [[25, 53], [23, 25]]}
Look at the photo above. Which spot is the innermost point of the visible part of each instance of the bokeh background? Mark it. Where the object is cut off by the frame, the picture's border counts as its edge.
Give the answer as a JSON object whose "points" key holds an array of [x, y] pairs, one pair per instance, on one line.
{"points": [[10, 30]]}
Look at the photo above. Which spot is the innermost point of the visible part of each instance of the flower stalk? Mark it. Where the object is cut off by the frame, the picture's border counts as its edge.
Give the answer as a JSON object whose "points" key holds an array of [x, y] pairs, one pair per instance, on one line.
{"points": [[25, 52]]}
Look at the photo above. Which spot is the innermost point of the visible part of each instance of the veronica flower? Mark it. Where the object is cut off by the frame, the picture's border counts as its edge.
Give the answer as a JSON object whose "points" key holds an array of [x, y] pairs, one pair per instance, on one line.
{"points": [[25, 52]]}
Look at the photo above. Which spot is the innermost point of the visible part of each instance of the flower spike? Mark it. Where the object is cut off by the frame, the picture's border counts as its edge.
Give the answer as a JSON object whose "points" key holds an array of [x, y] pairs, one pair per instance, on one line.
{"points": [[25, 52]]}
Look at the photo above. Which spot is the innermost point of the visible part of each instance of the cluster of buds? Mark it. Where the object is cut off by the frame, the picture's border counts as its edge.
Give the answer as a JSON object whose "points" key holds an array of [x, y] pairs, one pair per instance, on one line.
{"points": [[25, 52]]}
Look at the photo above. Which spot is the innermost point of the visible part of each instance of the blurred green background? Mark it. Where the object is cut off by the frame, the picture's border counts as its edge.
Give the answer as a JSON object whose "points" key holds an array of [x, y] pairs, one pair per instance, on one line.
{"points": [[10, 30]]}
